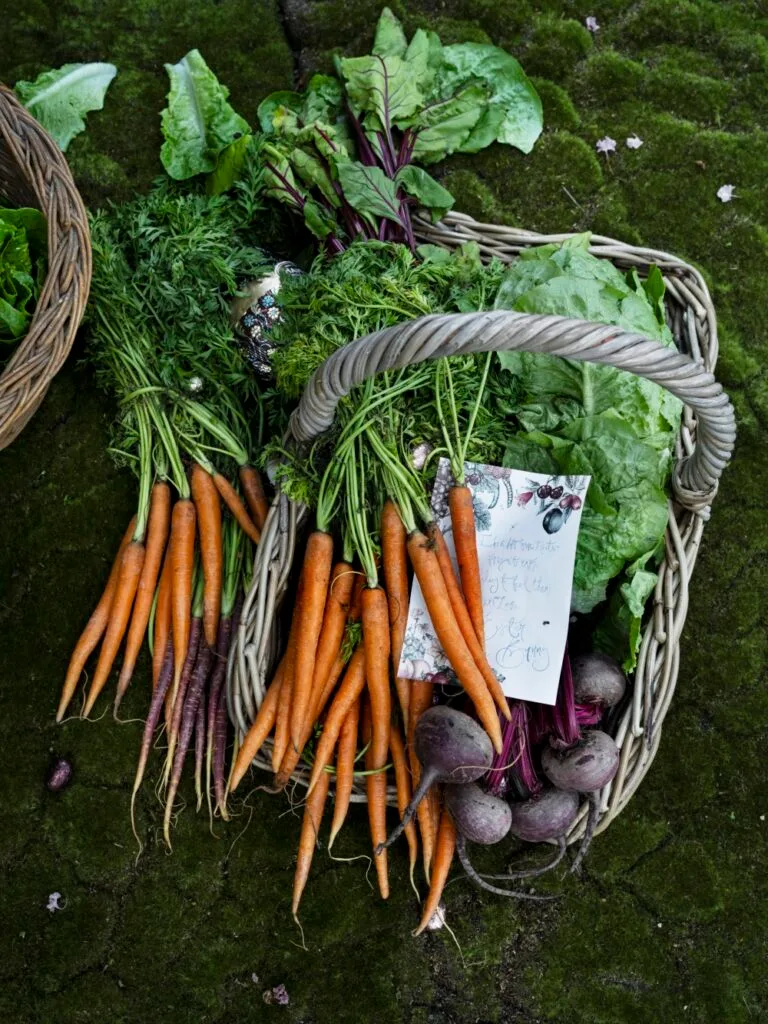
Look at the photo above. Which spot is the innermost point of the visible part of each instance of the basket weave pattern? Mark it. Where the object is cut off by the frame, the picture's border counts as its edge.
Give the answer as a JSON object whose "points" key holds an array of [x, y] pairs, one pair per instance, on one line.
{"points": [[33, 172], [704, 445]]}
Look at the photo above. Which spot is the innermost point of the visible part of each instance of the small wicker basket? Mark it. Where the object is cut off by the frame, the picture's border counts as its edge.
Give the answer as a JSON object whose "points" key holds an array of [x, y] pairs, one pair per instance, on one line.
{"points": [[33, 172], [704, 446]]}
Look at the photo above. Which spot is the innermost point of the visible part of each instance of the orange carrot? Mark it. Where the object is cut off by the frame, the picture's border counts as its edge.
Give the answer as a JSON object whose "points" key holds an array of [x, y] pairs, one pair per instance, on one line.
{"points": [[157, 535], [395, 565], [208, 508], [315, 575], [162, 618], [430, 577], [310, 826], [283, 715], [349, 691], [403, 784], [465, 622], [253, 489], [444, 850], [128, 580], [376, 644], [183, 522], [94, 629], [332, 630], [465, 539], [422, 693], [234, 503], [345, 769], [262, 726]]}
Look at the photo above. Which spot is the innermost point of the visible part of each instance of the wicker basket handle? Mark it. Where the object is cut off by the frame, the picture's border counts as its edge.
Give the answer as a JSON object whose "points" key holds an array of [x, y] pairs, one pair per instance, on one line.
{"points": [[694, 479]]}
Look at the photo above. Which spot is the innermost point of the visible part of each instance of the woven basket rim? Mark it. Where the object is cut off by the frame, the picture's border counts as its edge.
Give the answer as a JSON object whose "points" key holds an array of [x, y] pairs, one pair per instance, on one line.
{"points": [[31, 163], [637, 724]]}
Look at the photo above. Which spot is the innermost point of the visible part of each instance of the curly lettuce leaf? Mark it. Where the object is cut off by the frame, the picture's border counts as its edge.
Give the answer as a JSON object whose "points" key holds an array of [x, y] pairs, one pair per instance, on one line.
{"points": [[61, 98], [22, 268], [584, 418], [198, 124]]}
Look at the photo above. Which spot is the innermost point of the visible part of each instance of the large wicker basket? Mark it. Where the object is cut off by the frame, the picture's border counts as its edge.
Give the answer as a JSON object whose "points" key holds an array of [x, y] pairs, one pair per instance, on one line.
{"points": [[33, 172], [704, 447]]}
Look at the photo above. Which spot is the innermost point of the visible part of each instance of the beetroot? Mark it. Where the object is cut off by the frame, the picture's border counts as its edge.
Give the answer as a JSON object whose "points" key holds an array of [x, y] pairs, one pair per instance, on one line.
{"points": [[451, 747], [587, 766], [479, 816], [597, 679], [547, 815]]}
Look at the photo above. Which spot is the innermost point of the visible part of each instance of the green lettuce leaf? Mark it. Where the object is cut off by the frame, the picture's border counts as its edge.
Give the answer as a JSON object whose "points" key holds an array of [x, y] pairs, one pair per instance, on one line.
{"points": [[229, 164], [584, 418], [198, 123], [60, 99], [22, 268]]}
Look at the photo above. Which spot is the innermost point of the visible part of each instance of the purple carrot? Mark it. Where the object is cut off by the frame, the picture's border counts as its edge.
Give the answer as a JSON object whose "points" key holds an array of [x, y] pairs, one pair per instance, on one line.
{"points": [[155, 707], [195, 686], [227, 629], [200, 748], [186, 672], [219, 754]]}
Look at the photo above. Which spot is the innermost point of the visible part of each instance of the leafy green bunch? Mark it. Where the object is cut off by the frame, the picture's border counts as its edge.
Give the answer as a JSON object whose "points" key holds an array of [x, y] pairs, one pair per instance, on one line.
{"points": [[345, 154]]}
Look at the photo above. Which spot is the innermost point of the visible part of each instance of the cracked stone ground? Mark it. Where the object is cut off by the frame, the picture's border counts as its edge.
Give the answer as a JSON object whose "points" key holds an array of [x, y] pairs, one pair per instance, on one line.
{"points": [[669, 922]]}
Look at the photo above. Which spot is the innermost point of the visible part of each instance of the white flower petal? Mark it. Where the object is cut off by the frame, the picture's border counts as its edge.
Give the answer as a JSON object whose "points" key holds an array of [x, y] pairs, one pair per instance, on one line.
{"points": [[54, 902], [634, 142], [606, 145], [725, 193], [591, 23]]}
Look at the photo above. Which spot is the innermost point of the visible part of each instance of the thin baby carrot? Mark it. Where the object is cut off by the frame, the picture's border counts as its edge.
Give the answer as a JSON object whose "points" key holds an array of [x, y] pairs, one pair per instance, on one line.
{"points": [[234, 503], [349, 691], [127, 581], [376, 644], [465, 622], [253, 489], [94, 629], [395, 565], [422, 693], [183, 522], [157, 535], [162, 628], [208, 509], [445, 847], [310, 826], [315, 576], [465, 538], [332, 630], [283, 714], [430, 577], [403, 785], [262, 726], [345, 769]]}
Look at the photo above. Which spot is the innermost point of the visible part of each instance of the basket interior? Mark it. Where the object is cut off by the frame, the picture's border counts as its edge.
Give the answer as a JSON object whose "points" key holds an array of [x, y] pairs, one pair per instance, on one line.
{"points": [[14, 185]]}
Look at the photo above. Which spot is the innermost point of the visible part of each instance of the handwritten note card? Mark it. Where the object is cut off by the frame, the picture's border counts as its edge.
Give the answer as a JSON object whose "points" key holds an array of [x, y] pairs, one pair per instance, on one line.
{"points": [[527, 526]]}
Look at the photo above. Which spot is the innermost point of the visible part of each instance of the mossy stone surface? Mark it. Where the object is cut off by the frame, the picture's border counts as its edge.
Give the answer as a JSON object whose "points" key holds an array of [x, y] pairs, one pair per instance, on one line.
{"points": [[670, 919]]}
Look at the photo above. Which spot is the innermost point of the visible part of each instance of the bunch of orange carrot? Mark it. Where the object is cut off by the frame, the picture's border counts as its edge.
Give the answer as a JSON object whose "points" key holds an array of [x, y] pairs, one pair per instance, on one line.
{"points": [[328, 697], [176, 577]]}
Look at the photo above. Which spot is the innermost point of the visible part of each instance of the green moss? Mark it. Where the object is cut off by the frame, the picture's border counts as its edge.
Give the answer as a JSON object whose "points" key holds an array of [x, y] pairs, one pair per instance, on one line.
{"points": [[554, 46], [560, 114]]}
